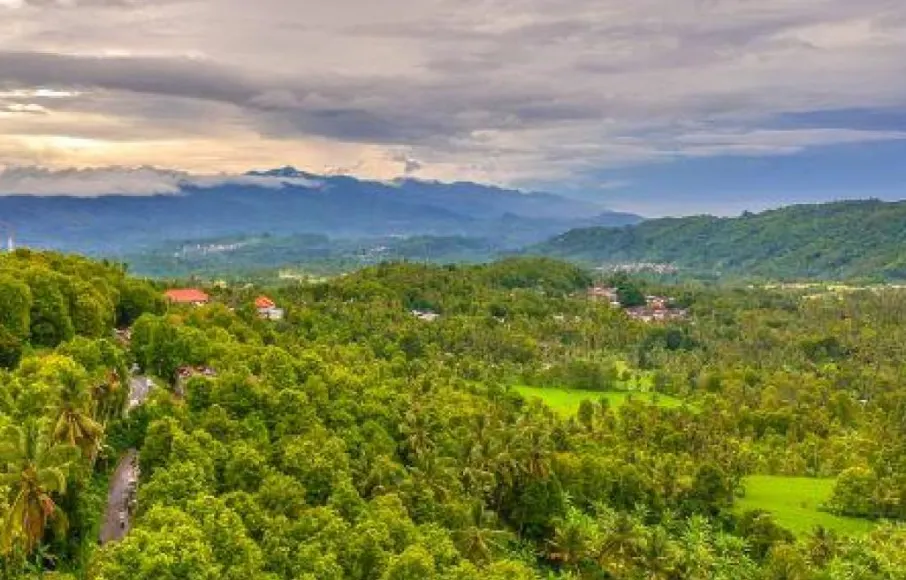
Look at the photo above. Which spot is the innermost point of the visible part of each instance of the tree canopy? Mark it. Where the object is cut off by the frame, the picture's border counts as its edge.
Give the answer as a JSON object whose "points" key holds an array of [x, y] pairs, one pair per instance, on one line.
{"points": [[357, 439]]}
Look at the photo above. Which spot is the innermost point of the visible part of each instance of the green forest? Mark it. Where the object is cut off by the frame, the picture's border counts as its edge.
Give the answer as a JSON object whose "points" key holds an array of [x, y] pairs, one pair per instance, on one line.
{"points": [[522, 432], [859, 241], [245, 257], [831, 241]]}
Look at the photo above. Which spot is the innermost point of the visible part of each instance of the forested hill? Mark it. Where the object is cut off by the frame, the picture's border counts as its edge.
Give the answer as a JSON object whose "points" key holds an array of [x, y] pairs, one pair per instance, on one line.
{"points": [[463, 422], [829, 241]]}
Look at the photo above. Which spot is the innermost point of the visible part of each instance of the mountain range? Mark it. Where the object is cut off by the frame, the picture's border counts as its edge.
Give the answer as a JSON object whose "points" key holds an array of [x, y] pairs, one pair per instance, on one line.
{"points": [[281, 202], [170, 223], [840, 240]]}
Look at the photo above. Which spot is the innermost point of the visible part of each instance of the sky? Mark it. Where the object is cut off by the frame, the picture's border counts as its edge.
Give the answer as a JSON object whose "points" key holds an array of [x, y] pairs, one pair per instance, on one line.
{"points": [[664, 107]]}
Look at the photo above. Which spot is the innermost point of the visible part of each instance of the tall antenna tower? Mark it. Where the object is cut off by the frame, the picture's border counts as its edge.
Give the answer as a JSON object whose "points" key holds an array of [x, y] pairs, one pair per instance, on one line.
{"points": [[10, 236]]}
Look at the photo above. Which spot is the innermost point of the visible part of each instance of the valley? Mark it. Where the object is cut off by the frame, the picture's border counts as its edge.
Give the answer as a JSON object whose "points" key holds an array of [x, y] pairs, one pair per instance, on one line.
{"points": [[760, 432]]}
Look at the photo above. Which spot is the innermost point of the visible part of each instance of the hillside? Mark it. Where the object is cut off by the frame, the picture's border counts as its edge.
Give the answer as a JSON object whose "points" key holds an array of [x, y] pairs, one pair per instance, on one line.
{"points": [[519, 432], [283, 202], [241, 256], [827, 241]]}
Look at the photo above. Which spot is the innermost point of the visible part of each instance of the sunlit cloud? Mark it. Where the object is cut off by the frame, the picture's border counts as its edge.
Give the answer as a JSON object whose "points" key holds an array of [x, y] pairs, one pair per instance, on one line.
{"points": [[492, 91], [38, 94]]}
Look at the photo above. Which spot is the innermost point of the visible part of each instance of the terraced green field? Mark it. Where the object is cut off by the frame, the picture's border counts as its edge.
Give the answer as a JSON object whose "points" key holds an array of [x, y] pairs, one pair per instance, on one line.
{"points": [[567, 401], [795, 503]]}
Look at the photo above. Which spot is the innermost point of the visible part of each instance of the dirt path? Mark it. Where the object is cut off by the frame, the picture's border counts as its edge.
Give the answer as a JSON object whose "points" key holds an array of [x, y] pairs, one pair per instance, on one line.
{"points": [[117, 517]]}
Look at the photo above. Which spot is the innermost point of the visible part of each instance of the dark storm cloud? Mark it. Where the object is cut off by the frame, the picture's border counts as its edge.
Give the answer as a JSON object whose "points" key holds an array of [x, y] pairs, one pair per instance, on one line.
{"points": [[394, 111], [162, 76]]}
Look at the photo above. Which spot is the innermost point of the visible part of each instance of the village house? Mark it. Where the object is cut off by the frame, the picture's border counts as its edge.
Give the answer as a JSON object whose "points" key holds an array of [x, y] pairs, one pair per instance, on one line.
{"points": [[267, 308], [657, 302], [425, 315], [190, 296], [605, 293], [656, 313]]}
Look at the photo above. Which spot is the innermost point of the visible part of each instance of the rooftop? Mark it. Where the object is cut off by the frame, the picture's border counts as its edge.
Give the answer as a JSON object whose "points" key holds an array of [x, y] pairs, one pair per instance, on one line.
{"points": [[263, 302], [186, 295]]}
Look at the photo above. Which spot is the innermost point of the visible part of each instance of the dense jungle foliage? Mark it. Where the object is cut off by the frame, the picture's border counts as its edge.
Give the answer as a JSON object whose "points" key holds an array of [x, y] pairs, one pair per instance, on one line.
{"points": [[354, 439], [831, 241]]}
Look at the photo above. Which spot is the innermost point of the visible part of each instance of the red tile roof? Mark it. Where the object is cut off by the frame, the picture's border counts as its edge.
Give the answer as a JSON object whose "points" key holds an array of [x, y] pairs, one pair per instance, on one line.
{"points": [[264, 302], [186, 295]]}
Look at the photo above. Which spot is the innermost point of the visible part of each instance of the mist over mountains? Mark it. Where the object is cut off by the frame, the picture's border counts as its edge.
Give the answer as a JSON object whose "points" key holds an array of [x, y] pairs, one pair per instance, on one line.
{"points": [[121, 211]]}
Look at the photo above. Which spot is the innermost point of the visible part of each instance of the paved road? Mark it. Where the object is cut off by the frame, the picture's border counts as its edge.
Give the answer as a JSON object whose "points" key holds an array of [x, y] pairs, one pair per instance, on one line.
{"points": [[139, 389], [117, 519]]}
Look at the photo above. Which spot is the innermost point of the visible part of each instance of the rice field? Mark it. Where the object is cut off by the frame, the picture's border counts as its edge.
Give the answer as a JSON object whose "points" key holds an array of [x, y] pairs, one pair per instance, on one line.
{"points": [[566, 401], [795, 503]]}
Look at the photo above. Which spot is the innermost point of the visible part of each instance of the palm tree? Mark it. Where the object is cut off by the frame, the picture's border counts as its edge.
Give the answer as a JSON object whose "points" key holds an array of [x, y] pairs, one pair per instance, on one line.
{"points": [[108, 396], [33, 468], [621, 542], [822, 546], [573, 540], [74, 425], [538, 450], [658, 555], [479, 539], [417, 431]]}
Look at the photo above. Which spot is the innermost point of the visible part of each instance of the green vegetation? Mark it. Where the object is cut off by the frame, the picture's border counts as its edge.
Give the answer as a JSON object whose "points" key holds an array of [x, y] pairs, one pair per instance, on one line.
{"points": [[250, 257], [854, 240], [567, 402], [64, 383], [359, 438], [798, 503], [834, 241]]}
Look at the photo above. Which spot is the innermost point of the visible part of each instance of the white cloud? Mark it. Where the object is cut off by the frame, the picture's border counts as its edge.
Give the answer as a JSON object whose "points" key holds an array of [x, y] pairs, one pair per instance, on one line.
{"points": [[30, 108], [767, 142], [38, 93], [141, 181]]}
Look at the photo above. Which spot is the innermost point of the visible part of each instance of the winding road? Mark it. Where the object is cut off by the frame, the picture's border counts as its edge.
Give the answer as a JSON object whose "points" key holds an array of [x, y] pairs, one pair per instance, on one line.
{"points": [[118, 516]]}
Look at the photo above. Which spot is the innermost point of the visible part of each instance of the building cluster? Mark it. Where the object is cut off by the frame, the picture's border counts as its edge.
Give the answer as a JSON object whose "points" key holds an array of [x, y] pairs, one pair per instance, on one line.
{"points": [[266, 307], [637, 267], [205, 249], [657, 309]]}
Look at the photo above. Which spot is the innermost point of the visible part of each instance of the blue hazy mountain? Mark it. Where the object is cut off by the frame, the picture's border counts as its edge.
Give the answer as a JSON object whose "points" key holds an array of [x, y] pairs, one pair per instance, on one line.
{"points": [[287, 201]]}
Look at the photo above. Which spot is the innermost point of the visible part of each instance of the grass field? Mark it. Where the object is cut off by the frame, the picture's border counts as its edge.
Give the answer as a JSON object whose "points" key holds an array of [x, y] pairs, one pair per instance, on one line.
{"points": [[567, 401], [795, 503], [638, 381]]}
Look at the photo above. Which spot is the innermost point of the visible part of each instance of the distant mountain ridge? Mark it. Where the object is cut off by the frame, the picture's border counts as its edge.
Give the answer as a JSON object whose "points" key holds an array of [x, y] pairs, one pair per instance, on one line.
{"points": [[285, 202], [836, 240]]}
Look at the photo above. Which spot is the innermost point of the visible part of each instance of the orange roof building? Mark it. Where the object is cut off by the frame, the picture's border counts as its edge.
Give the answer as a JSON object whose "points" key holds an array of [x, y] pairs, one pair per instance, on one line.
{"points": [[264, 303], [187, 296]]}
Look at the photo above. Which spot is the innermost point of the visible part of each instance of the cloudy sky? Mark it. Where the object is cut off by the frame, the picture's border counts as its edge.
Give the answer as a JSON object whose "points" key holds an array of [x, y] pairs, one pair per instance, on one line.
{"points": [[659, 106]]}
